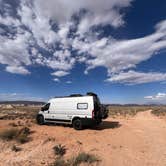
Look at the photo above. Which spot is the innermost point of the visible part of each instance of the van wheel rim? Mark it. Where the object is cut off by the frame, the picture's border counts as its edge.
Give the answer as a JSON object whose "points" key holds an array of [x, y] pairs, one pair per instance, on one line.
{"points": [[77, 124]]}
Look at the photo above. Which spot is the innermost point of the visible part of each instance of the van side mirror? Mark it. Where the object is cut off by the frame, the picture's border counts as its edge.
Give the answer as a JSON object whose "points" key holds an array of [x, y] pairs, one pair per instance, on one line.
{"points": [[45, 107], [42, 108]]}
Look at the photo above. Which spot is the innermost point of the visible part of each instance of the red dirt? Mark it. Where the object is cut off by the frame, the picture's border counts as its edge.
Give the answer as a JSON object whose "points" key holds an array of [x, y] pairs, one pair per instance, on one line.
{"points": [[136, 141]]}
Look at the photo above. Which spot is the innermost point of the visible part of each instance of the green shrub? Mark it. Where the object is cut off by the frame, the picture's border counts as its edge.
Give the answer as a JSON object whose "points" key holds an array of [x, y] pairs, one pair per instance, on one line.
{"points": [[59, 150]]}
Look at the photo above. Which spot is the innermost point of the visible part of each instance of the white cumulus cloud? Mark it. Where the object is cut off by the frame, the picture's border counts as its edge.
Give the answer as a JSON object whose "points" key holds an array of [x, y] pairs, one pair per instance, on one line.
{"points": [[58, 34]]}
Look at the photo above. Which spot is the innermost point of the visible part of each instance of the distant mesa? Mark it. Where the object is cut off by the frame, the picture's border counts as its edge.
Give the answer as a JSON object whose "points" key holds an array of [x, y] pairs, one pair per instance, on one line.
{"points": [[10, 104]]}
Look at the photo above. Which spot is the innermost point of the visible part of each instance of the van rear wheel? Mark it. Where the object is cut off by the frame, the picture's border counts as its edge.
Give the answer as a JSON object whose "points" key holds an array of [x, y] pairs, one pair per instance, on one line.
{"points": [[77, 124], [40, 119]]}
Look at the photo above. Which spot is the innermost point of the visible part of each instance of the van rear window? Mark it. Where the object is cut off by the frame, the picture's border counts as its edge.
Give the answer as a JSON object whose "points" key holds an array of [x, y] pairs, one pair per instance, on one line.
{"points": [[82, 106]]}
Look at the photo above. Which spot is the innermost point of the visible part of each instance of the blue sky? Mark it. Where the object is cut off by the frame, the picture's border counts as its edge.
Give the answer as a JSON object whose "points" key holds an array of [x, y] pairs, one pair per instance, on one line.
{"points": [[116, 49]]}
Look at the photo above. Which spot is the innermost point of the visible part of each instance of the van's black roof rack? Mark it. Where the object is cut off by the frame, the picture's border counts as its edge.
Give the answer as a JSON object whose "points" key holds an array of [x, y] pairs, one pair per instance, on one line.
{"points": [[91, 94], [78, 95], [75, 95]]}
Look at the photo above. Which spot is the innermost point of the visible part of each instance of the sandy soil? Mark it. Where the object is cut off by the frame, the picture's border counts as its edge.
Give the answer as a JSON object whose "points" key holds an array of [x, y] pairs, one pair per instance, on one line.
{"points": [[136, 141]]}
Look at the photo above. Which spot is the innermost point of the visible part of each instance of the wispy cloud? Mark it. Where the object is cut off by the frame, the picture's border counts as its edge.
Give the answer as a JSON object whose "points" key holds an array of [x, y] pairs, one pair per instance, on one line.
{"points": [[18, 96], [133, 77], [68, 82], [158, 96]]}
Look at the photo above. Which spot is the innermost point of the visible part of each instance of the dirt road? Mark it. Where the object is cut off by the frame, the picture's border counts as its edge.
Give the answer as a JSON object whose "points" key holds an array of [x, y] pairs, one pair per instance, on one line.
{"points": [[136, 141]]}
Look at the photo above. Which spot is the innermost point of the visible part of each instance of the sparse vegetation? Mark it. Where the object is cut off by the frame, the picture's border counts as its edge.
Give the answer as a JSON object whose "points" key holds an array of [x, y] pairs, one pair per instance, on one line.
{"points": [[9, 134], [19, 135], [84, 158], [60, 162], [23, 135], [13, 124], [20, 123], [159, 111], [59, 150], [126, 110], [23, 138], [77, 160], [19, 112], [28, 113]]}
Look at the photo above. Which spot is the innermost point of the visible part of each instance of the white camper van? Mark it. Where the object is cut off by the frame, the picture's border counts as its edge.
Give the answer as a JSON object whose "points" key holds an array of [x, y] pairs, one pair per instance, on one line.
{"points": [[77, 110]]}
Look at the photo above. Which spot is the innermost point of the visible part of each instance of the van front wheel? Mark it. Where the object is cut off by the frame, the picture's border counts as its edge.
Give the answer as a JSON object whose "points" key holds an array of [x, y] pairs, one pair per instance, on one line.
{"points": [[40, 119], [77, 124]]}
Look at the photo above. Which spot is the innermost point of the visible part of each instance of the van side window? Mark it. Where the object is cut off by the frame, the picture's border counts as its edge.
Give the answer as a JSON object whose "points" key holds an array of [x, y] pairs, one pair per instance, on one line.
{"points": [[82, 106], [45, 107]]}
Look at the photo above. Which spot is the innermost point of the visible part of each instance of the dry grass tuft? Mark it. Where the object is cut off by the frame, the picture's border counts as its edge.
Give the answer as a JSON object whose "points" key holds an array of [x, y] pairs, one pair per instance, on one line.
{"points": [[84, 158], [19, 135], [77, 160], [9, 134], [59, 162]]}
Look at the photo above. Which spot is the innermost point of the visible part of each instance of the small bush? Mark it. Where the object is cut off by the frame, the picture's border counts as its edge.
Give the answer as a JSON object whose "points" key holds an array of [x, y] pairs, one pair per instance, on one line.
{"points": [[16, 148], [76, 161], [9, 134], [59, 150], [85, 158], [59, 162], [25, 130], [159, 112], [13, 124], [21, 136]]}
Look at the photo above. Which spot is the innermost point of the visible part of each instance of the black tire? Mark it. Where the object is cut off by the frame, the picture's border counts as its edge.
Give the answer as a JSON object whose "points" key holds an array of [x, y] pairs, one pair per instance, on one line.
{"points": [[77, 124], [98, 122], [40, 119]]}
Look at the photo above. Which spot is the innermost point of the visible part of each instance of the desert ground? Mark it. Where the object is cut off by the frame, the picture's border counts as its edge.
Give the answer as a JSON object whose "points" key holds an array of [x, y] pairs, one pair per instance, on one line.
{"points": [[118, 141]]}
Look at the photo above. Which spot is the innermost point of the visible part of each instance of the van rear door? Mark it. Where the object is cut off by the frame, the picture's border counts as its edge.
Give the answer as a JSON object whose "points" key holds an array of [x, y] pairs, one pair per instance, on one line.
{"points": [[97, 108]]}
